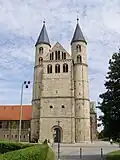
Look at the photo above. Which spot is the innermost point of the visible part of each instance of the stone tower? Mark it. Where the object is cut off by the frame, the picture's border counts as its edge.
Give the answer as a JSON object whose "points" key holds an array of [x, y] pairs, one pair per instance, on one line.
{"points": [[82, 105], [42, 47], [60, 104]]}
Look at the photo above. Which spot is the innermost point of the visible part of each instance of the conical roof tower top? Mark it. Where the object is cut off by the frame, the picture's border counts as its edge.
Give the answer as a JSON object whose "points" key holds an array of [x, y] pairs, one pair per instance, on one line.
{"points": [[43, 37], [78, 35]]}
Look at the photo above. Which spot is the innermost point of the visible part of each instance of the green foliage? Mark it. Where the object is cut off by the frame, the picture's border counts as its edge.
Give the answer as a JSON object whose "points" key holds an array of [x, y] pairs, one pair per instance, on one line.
{"points": [[13, 124], [110, 104], [100, 135], [113, 155], [34, 152], [50, 155], [7, 146]]}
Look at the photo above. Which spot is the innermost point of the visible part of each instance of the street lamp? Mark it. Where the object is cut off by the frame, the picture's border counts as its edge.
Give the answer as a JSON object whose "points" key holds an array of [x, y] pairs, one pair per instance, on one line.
{"points": [[91, 137], [58, 139], [29, 134], [91, 114], [25, 83]]}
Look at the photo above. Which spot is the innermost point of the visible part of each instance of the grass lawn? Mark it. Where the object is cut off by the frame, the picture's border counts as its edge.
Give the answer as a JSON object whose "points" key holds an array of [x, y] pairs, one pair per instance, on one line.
{"points": [[115, 155]]}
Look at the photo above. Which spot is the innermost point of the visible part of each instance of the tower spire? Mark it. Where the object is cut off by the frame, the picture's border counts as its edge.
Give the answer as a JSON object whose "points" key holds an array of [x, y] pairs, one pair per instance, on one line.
{"points": [[43, 37], [44, 21], [77, 19], [78, 35]]}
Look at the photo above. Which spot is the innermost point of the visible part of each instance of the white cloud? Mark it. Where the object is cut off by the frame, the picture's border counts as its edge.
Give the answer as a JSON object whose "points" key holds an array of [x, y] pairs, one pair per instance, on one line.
{"points": [[111, 15]]}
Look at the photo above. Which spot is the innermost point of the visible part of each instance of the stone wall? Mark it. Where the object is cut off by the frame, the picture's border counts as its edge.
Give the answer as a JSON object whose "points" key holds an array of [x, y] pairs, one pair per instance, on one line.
{"points": [[61, 96], [82, 107], [9, 130], [93, 119]]}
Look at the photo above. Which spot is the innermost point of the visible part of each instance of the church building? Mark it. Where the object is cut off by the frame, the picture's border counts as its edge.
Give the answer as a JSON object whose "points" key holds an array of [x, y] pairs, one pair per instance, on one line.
{"points": [[60, 102]]}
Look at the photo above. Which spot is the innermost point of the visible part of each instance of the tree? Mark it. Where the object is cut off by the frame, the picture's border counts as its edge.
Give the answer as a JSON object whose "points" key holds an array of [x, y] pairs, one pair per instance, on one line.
{"points": [[110, 105]]}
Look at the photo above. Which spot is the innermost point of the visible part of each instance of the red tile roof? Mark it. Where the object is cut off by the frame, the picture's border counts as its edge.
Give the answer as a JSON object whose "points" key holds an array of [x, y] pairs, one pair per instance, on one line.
{"points": [[12, 112]]}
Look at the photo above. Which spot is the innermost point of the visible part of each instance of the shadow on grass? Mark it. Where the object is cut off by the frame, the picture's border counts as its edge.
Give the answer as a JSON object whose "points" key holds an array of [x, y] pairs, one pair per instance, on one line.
{"points": [[84, 157]]}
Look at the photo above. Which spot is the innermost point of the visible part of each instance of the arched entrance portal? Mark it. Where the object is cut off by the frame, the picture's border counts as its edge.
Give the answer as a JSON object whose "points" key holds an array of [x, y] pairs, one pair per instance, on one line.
{"points": [[57, 133]]}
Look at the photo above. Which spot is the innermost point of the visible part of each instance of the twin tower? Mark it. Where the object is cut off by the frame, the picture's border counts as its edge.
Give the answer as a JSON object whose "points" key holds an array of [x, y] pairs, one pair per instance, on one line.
{"points": [[60, 103]]}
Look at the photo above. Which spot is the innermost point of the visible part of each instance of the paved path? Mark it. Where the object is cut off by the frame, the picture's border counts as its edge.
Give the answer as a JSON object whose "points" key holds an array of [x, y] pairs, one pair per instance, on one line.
{"points": [[89, 151]]}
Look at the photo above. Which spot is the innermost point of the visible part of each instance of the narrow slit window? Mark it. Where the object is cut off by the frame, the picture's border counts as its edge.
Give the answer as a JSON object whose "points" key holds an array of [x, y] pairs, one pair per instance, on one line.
{"points": [[52, 56], [49, 68], [79, 59], [63, 55], [78, 48], [40, 61], [57, 68], [58, 55], [63, 106], [65, 67], [41, 50]]}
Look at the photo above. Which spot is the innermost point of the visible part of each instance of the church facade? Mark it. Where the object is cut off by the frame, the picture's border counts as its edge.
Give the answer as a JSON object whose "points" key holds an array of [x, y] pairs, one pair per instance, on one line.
{"points": [[60, 102]]}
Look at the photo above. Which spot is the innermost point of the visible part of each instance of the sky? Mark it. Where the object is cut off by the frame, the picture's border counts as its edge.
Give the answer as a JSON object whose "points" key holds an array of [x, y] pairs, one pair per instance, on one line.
{"points": [[20, 25]]}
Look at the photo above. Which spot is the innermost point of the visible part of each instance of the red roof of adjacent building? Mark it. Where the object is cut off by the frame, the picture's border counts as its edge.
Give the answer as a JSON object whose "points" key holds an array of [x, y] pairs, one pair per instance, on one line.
{"points": [[12, 112]]}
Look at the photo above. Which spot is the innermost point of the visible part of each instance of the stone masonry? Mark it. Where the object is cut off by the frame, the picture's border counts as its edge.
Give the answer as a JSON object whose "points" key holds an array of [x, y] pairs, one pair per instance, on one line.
{"points": [[60, 90]]}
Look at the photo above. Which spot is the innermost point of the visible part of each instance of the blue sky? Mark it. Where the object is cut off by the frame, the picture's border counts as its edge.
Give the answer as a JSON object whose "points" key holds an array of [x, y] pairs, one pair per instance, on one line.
{"points": [[20, 25]]}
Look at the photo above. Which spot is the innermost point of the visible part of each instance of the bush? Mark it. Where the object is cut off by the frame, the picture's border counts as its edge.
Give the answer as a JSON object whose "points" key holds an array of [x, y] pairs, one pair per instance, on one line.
{"points": [[8, 146], [113, 155], [34, 140], [106, 139], [36, 152]]}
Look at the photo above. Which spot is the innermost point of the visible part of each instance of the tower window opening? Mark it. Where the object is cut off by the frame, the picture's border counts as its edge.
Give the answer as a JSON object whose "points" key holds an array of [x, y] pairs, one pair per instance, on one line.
{"points": [[40, 61], [56, 91], [57, 68], [52, 56], [63, 106], [1, 125], [63, 55], [78, 48], [79, 59], [49, 68], [41, 50], [65, 67], [58, 55]]}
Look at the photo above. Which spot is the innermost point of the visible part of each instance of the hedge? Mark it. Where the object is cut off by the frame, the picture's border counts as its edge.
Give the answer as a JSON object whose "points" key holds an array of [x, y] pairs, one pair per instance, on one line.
{"points": [[113, 155], [36, 152], [9, 146]]}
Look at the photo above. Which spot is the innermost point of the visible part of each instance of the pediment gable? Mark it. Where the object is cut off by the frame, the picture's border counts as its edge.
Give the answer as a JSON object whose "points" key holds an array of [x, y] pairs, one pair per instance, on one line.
{"points": [[58, 47]]}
